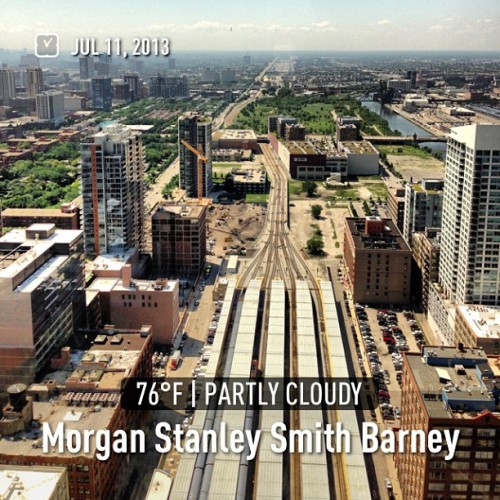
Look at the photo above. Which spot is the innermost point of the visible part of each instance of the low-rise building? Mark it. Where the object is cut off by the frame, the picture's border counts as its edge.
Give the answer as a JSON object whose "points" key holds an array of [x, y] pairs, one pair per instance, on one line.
{"points": [[247, 181], [444, 389], [478, 326], [128, 303], [362, 157], [66, 217], [377, 260], [234, 139]]}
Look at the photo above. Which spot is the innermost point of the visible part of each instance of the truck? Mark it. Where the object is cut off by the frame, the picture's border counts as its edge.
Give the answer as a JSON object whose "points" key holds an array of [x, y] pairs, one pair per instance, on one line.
{"points": [[175, 360]]}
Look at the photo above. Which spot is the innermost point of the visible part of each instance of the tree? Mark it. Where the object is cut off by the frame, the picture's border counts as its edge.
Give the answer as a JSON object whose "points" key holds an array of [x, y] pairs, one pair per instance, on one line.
{"points": [[315, 245], [316, 211], [309, 187]]}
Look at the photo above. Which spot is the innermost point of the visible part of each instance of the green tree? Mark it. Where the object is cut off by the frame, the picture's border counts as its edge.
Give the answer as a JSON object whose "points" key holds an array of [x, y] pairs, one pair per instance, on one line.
{"points": [[309, 187], [316, 211], [315, 245]]}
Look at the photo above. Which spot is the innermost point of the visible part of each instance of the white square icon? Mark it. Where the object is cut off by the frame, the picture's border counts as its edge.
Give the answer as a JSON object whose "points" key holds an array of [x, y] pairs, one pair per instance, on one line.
{"points": [[47, 45]]}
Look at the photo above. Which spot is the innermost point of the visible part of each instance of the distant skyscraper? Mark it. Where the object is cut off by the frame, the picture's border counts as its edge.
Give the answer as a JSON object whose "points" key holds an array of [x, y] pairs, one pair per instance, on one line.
{"points": [[247, 60], [30, 60], [227, 76], [7, 86], [102, 94], [171, 62], [50, 106], [195, 129], [470, 245], [133, 83], [34, 82], [113, 191], [86, 67]]}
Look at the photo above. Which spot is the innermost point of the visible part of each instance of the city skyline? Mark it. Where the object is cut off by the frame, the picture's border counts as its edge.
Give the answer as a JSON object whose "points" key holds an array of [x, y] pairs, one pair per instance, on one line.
{"points": [[294, 25]]}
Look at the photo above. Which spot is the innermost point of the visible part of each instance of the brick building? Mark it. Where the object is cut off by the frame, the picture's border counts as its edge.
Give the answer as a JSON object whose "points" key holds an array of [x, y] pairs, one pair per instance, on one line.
{"points": [[378, 261]]}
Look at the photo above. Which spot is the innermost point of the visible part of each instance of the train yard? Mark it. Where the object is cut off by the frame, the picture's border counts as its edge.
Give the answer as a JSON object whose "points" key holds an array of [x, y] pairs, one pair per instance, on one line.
{"points": [[277, 321]]}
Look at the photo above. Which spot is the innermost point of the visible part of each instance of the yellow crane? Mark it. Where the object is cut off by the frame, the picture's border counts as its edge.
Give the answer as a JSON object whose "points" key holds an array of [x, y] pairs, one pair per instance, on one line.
{"points": [[201, 158]]}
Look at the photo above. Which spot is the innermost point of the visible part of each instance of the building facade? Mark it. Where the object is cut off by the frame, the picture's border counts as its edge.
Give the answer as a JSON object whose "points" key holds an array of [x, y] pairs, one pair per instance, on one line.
{"points": [[179, 239], [102, 93], [196, 130], [113, 191], [469, 268], [50, 107], [41, 282], [423, 207], [34, 82], [7, 86], [86, 67], [377, 260]]}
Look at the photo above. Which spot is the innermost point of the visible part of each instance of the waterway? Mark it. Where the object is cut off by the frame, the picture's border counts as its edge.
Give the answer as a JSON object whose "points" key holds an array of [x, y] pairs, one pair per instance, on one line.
{"points": [[406, 127]]}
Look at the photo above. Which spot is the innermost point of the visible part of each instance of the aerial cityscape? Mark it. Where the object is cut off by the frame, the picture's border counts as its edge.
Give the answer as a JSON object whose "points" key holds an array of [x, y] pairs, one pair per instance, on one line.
{"points": [[250, 251]]}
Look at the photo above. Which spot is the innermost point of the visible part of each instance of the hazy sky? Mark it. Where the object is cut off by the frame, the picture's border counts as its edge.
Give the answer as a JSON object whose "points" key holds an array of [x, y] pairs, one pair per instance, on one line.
{"points": [[261, 24]]}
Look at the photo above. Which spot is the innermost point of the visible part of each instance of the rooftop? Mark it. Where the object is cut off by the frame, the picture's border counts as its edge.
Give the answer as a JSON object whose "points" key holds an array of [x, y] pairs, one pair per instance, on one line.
{"points": [[116, 284], [249, 175], [359, 147], [235, 134], [38, 212], [25, 483], [453, 384], [301, 148], [484, 321], [387, 238], [182, 209]]}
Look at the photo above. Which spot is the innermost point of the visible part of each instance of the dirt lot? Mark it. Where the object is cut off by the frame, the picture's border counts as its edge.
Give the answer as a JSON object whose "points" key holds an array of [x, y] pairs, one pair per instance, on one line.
{"points": [[417, 168]]}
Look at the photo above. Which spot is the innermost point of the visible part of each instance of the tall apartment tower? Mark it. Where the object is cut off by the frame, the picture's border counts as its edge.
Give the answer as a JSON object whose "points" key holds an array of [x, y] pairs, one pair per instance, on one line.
{"points": [[34, 82], [133, 82], [7, 86], [86, 67], [470, 246], [113, 191], [102, 93], [195, 129]]}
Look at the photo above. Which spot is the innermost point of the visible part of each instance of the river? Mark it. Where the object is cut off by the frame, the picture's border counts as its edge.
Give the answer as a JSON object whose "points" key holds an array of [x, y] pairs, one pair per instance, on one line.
{"points": [[406, 127]]}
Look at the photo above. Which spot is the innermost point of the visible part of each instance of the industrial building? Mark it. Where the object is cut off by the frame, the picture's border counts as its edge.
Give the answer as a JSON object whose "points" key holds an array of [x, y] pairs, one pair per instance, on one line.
{"points": [[377, 260], [362, 157], [41, 280], [113, 190], [235, 139], [179, 239], [451, 388], [196, 130], [88, 399]]}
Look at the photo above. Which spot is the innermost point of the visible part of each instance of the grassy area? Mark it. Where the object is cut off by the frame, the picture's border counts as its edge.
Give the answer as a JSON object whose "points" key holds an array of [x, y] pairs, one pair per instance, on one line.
{"points": [[342, 193], [378, 190], [256, 198], [295, 187], [405, 151]]}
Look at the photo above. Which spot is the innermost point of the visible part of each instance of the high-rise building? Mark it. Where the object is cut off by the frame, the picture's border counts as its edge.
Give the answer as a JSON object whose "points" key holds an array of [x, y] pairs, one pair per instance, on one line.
{"points": [[470, 244], [169, 86], [86, 67], [179, 239], [102, 94], [195, 129], [41, 279], [445, 388], [7, 86], [34, 82], [50, 106], [247, 60], [228, 76], [423, 206], [133, 82], [113, 191]]}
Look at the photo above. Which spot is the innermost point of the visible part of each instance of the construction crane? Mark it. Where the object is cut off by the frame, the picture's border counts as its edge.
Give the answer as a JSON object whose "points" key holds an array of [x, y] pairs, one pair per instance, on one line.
{"points": [[201, 158]]}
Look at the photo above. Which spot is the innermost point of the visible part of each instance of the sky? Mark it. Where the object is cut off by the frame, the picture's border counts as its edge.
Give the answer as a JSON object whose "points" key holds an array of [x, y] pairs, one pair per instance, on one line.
{"points": [[467, 25]]}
